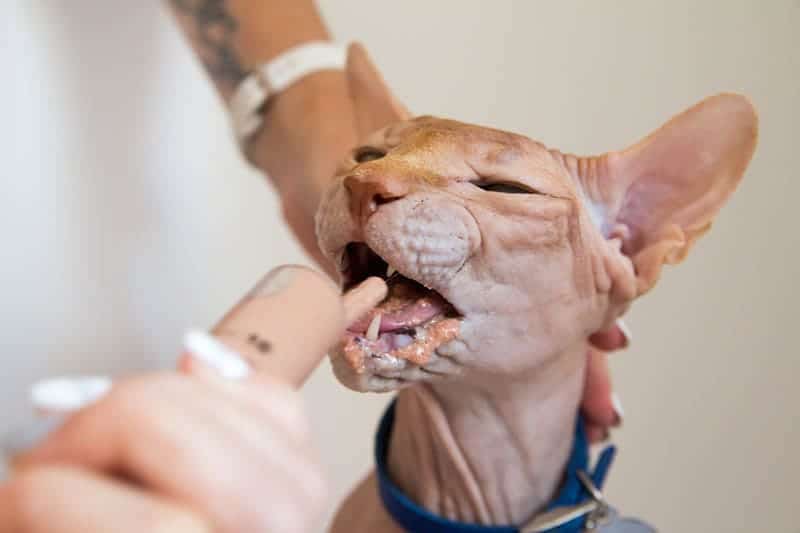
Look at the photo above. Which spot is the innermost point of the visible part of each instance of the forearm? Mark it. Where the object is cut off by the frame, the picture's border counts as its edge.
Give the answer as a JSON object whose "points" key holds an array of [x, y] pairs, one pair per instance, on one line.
{"points": [[308, 126], [232, 36]]}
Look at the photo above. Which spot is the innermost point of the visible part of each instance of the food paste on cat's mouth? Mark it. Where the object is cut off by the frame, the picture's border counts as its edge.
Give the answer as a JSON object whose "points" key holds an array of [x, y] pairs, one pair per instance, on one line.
{"points": [[411, 323]]}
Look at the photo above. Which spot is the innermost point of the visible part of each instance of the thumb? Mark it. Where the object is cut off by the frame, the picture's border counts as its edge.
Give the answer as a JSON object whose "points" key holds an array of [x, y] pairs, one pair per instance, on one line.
{"points": [[286, 323]]}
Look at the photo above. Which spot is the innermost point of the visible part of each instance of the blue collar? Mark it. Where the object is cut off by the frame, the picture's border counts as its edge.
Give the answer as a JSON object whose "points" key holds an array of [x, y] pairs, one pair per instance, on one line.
{"points": [[416, 519]]}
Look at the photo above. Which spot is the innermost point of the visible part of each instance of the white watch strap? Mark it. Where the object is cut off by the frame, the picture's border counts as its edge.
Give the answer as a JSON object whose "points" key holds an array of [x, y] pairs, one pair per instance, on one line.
{"points": [[275, 76]]}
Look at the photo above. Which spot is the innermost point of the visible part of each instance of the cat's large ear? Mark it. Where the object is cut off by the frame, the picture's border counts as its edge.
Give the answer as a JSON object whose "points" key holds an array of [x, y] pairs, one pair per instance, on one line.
{"points": [[374, 104], [661, 194]]}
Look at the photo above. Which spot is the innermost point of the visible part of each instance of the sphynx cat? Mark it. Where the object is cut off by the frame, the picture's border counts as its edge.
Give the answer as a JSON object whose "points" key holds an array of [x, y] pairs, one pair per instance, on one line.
{"points": [[503, 257]]}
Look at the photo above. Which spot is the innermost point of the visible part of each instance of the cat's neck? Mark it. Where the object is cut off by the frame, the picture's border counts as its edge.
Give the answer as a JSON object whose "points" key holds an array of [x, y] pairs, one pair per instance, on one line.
{"points": [[490, 453]]}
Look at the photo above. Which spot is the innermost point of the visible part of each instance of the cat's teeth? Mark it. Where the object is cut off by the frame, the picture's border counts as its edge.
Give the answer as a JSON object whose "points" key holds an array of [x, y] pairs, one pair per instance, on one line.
{"points": [[374, 328], [390, 270]]}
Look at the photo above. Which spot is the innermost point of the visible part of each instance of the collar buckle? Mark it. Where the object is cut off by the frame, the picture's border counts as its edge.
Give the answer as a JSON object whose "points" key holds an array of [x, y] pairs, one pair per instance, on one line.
{"points": [[600, 514], [595, 510], [558, 517]]}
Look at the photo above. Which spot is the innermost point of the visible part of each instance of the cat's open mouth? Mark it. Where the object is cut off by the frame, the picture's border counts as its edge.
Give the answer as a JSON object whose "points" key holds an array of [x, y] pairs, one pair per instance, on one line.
{"points": [[410, 323]]}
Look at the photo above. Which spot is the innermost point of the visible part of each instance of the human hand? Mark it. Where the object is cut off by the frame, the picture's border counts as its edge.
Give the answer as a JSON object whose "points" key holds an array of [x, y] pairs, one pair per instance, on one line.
{"points": [[173, 452], [189, 451], [600, 406]]}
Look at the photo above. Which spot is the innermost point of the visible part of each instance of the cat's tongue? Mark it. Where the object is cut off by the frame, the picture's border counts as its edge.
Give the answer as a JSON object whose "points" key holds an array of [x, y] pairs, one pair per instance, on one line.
{"points": [[407, 306]]}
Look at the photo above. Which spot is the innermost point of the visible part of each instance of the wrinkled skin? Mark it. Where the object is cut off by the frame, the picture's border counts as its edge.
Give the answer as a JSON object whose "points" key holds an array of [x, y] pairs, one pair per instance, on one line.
{"points": [[484, 426], [500, 259]]}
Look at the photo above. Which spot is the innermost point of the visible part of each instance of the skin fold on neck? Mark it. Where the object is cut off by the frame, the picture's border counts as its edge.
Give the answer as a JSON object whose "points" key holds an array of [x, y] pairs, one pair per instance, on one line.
{"points": [[491, 452]]}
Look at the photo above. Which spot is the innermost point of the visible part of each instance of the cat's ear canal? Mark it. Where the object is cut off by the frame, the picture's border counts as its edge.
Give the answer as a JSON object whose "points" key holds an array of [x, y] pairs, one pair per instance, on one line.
{"points": [[661, 194], [373, 102]]}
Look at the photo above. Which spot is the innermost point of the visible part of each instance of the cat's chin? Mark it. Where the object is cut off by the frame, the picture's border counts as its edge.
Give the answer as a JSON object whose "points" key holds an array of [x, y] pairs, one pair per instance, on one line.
{"points": [[366, 381], [384, 372]]}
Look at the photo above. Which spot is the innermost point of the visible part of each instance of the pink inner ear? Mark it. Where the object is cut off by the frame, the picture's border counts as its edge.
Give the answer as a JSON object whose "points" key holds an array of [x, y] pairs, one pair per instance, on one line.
{"points": [[663, 193]]}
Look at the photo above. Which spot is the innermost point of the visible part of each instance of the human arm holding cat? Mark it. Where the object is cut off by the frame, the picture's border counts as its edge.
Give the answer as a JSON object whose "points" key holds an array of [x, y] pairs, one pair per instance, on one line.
{"points": [[307, 127]]}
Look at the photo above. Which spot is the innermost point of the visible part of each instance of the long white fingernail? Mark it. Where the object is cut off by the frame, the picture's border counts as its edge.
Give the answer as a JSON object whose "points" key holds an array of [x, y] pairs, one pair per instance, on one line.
{"points": [[617, 405], [623, 327], [212, 352], [67, 394], [53, 400]]}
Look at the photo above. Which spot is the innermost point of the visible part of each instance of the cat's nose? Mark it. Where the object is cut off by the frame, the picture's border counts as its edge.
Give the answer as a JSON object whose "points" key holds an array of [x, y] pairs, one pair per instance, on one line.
{"points": [[368, 192]]}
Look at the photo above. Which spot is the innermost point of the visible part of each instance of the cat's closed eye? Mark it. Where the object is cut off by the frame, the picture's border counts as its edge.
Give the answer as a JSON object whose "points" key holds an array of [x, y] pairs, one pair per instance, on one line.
{"points": [[367, 153], [504, 187]]}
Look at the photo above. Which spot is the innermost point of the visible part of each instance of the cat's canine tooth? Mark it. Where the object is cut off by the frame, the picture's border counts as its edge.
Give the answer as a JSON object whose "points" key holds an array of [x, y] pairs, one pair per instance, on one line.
{"points": [[390, 270], [374, 328]]}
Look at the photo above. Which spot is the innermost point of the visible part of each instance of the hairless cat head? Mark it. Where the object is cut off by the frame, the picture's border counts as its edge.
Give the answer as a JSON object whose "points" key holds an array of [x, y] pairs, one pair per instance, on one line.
{"points": [[500, 252]]}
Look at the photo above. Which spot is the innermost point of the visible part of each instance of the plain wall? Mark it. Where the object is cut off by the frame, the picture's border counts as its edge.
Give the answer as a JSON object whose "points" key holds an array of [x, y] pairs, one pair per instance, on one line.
{"points": [[127, 214]]}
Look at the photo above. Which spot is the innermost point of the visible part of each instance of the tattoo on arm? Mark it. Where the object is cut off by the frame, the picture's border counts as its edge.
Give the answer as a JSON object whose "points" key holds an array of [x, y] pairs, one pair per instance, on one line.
{"points": [[211, 29]]}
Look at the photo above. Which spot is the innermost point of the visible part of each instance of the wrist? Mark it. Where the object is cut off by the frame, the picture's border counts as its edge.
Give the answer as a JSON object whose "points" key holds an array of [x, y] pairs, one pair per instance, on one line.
{"points": [[306, 130]]}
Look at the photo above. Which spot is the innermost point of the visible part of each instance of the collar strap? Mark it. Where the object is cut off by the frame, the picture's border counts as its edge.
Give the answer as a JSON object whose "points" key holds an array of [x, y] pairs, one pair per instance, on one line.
{"points": [[577, 499]]}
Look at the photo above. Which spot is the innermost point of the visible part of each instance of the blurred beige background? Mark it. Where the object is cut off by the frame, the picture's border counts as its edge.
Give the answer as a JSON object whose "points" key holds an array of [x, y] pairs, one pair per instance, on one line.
{"points": [[128, 215]]}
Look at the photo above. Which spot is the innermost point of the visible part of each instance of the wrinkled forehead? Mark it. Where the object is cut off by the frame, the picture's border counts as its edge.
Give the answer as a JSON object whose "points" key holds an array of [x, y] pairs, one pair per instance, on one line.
{"points": [[432, 133], [454, 149]]}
